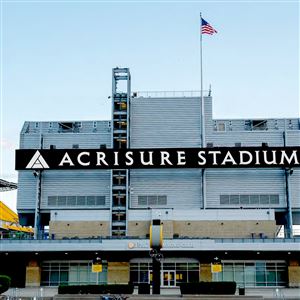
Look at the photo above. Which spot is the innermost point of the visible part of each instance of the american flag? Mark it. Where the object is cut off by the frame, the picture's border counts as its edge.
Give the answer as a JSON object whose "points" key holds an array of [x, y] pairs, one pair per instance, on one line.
{"points": [[207, 28]]}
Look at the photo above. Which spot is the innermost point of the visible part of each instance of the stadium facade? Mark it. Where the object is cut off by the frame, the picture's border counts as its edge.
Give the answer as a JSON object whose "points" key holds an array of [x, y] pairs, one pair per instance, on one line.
{"points": [[233, 214]]}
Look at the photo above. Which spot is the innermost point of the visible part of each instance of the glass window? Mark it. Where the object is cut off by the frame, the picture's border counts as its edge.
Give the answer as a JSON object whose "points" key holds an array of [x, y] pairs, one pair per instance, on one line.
{"points": [[244, 199], [193, 266], [144, 276], [100, 200], [228, 272], [152, 200], [134, 276], [249, 274], [162, 200], [142, 200], [239, 273], [80, 200], [234, 199], [260, 274], [254, 199], [181, 266], [193, 276], [71, 200], [274, 199], [54, 278], [168, 266], [83, 274], [264, 199], [181, 276], [52, 200], [90, 200], [144, 266], [252, 274], [224, 199], [61, 200], [64, 277]]}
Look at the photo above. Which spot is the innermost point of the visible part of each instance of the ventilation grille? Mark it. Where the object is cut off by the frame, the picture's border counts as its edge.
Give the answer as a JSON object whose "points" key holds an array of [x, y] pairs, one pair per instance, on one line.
{"points": [[255, 199], [152, 200], [76, 200]]}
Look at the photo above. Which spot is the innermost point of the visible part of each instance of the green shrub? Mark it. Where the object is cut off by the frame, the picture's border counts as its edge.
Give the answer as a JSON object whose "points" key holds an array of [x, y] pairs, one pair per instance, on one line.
{"points": [[96, 289], [208, 288], [4, 283]]}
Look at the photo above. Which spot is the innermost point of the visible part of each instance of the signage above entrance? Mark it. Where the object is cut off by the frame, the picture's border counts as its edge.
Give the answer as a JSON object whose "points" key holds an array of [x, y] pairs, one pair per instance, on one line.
{"points": [[223, 157]]}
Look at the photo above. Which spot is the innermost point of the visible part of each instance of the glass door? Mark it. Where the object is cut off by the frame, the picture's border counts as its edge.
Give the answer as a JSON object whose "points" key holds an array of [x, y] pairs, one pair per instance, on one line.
{"points": [[168, 278]]}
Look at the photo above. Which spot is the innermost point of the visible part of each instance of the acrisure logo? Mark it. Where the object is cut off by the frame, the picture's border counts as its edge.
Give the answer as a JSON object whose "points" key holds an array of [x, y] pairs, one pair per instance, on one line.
{"points": [[37, 162]]}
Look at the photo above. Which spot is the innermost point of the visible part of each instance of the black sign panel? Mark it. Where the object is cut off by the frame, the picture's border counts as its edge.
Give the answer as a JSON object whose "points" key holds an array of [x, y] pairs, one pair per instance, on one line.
{"points": [[223, 157]]}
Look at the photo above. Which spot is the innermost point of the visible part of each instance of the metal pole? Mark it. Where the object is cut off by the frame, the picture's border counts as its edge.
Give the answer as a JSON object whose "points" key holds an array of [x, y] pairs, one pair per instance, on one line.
{"points": [[287, 173], [203, 177], [38, 175], [289, 231], [155, 276]]}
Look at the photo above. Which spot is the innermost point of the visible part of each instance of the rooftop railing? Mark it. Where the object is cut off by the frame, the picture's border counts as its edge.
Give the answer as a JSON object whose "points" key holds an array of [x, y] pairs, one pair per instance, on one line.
{"points": [[169, 94]]}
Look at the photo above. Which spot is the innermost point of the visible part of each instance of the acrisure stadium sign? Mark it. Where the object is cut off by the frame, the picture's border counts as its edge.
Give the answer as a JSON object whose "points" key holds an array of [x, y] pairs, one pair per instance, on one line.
{"points": [[223, 157]]}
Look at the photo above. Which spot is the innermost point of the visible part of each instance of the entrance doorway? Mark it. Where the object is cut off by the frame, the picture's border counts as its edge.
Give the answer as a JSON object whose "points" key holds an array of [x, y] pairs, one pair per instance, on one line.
{"points": [[168, 278]]}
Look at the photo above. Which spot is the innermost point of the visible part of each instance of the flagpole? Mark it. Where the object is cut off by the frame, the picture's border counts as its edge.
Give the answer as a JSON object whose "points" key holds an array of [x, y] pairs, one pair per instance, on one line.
{"points": [[201, 86], [202, 119]]}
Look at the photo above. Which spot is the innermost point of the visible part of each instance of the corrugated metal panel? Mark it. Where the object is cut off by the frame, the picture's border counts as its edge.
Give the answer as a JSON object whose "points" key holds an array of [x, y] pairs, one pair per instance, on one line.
{"points": [[295, 188], [165, 122], [293, 138], [204, 215], [244, 181], [79, 183], [208, 127], [80, 215], [182, 187], [26, 190], [30, 141]]}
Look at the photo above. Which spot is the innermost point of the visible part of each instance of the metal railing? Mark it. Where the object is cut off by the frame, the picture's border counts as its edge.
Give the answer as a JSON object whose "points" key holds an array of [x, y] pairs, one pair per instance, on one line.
{"points": [[169, 94], [101, 239]]}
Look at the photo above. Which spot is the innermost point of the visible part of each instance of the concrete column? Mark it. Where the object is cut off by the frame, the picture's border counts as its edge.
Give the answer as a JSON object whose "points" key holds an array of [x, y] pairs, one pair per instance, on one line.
{"points": [[294, 273], [205, 272], [33, 274], [117, 272]]}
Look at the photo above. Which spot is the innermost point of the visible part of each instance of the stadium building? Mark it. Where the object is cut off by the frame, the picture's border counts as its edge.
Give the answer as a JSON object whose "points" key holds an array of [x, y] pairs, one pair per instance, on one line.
{"points": [[234, 214]]}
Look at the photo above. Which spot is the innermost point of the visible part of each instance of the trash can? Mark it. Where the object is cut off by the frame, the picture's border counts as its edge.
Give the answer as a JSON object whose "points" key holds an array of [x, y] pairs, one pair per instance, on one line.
{"points": [[241, 291], [144, 288]]}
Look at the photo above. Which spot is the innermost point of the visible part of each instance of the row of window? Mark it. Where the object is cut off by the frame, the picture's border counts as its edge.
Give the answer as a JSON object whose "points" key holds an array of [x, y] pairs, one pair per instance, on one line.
{"points": [[251, 274], [254, 199], [247, 274], [152, 200], [76, 200], [172, 273], [238, 144], [56, 273]]}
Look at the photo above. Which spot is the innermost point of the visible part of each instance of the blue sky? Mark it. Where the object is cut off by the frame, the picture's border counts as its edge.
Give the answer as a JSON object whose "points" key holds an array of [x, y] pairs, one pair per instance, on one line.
{"points": [[57, 59]]}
